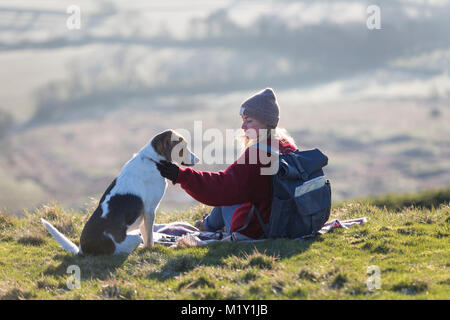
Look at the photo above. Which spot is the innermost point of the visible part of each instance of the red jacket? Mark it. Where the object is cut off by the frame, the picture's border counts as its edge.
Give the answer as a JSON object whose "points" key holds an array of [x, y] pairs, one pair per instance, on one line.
{"points": [[240, 183]]}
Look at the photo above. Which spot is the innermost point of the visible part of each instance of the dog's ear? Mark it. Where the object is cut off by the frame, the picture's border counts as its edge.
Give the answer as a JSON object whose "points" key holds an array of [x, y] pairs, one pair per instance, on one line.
{"points": [[164, 143], [176, 147]]}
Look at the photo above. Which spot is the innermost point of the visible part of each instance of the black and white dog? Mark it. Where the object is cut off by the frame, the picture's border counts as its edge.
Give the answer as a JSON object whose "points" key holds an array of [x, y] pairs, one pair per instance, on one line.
{"points": [[130, 202]]}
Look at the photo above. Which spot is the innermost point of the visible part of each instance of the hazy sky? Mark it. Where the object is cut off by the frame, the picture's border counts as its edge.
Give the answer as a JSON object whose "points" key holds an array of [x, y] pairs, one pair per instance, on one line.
{"points": [[218, 47]]}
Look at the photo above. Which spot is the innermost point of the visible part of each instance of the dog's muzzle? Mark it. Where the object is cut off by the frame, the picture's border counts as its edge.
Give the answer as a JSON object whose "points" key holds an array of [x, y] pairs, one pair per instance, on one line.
{"points": [[193, 161]]}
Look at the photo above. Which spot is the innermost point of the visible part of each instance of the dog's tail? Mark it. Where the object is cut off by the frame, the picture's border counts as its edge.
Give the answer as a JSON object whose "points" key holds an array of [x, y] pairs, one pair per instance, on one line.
{"points": [[63, 240]]}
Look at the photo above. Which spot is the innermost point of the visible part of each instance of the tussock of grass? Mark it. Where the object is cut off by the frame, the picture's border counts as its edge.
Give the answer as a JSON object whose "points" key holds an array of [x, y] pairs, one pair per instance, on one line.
{"points": [[181, 263], [254, 259], [410, 287], [17, 294], [308, 275], [410, 246], [201, 281], [338, 281], [30, 240], [250, 276], [5, 221]]}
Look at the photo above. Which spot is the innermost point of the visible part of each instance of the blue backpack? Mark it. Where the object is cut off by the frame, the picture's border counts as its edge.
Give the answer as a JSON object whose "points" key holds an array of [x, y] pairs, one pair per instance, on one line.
{"points": [[301, 196]]}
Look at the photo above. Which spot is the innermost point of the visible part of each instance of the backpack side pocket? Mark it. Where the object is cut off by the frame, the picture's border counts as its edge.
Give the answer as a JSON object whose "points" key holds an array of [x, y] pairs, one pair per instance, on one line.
{"points": [[316, 205]]}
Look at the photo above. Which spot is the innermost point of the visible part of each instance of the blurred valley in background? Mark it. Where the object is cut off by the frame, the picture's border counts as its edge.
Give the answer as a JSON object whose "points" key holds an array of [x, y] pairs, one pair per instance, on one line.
{"points": [[75, 105]]}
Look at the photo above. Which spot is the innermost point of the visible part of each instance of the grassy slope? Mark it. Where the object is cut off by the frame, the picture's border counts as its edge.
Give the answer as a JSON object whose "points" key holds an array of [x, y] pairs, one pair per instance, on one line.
{"points": [[409, 245]]}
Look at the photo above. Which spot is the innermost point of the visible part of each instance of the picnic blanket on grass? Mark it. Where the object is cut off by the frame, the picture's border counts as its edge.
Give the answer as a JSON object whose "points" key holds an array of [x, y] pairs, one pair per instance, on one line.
{"points": [[183, 234]]}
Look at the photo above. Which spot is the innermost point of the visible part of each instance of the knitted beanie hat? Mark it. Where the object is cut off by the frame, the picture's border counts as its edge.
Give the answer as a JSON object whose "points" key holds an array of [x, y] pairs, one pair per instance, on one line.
{"points": [[262, 106]]}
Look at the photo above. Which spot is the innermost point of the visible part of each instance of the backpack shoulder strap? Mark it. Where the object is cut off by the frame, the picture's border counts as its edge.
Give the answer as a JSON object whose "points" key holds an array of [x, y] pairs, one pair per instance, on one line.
{"points": [[264, 226], [255, 211]]}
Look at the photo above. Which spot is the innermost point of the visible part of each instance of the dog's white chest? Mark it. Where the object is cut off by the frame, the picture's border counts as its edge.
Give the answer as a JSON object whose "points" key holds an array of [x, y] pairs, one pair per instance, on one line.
{"points": [[154, 191], [141, 178]]}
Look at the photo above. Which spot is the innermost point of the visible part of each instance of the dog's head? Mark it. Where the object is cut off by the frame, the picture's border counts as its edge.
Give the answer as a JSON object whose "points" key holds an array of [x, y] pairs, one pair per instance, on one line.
{"points": [[173, 147]]}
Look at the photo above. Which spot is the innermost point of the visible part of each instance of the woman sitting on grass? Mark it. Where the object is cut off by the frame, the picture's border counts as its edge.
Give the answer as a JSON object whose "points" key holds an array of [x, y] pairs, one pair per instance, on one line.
{"points": [[234, 190]]}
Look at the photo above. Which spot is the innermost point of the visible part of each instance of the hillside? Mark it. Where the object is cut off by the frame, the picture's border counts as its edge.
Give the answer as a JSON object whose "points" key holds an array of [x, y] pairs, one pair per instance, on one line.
{"points": [[369, 151], [409, 246]]}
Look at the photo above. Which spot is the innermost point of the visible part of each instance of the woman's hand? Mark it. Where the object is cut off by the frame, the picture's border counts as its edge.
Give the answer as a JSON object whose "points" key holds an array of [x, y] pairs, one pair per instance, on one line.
{"points": [[168, 170]]}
